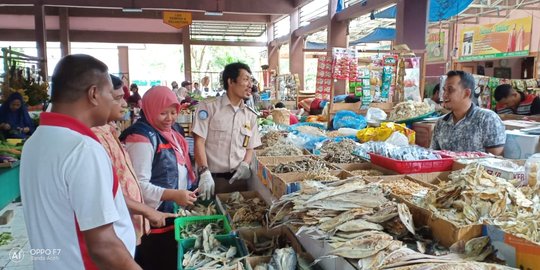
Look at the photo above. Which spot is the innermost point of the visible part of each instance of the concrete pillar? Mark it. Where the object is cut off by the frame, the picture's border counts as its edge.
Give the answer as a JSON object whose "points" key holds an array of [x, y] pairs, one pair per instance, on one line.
{"points": [[41, 37], [296, 50], [273, 50], [123, 60], [186, 42], [65, 44], [337, 37], [411, 23]]}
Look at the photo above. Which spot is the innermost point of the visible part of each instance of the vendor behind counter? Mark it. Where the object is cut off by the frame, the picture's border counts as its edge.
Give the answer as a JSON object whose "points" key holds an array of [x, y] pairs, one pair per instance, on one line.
{"points": [[511, 101]]}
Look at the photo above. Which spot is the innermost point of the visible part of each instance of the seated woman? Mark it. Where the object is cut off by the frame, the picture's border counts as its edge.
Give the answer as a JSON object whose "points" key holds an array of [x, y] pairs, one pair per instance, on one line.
{"points": [[292, 118], [15, 122]]}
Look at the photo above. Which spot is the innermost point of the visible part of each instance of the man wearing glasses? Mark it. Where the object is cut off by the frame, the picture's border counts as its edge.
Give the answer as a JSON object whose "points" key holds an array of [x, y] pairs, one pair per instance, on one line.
{"points": [[467, 128]]}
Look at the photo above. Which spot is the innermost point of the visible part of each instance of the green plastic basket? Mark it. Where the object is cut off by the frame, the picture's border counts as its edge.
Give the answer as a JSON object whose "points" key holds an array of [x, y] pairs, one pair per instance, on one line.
{"points": [[226, 240], [182, 222]]}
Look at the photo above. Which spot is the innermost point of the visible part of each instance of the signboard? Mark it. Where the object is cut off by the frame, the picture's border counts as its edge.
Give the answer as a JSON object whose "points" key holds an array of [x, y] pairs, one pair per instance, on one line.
{"points": [[435, 47], [177, 19], [509, 38]]}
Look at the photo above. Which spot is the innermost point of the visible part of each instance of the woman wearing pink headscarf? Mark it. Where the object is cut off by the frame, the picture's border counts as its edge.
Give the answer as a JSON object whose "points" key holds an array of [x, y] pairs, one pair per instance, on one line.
{"points": [[162, 165]]}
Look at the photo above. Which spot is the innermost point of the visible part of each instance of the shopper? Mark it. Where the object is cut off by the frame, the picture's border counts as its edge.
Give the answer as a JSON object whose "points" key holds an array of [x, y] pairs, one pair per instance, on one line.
{"points": [[435, 96], [108, 137], [134, 101], [162, 165], [197, 90], [292, 118], [467, 127], [15, 122], [226, 133], [71, 199], [512, 101], [125, 82]]}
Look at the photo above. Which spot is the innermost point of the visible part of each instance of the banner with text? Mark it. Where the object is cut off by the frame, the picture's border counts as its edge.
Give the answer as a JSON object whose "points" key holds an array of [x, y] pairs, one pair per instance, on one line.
{"points": [[509, 38], [435, 47]]}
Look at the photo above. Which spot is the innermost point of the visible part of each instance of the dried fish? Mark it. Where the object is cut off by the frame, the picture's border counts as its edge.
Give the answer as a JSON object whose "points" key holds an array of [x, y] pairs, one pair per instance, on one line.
{"points": [[281, 148], [272, 137], [406, 217], [245, 212], [408, 109], [340, 152], [304, 165], [198, 210], [358, 225], [366, 173], [193, 230], [212, 255]]}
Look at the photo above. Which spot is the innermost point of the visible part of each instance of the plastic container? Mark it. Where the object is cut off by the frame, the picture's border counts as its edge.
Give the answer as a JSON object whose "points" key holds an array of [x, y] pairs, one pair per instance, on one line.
{"points": [[226, 240], [182, 222], [413, 166], [532, 168]]}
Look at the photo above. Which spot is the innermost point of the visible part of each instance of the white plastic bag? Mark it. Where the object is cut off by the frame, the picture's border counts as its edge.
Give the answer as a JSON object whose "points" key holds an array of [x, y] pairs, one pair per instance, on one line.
{"points": [[398, 139], [375, 115]]}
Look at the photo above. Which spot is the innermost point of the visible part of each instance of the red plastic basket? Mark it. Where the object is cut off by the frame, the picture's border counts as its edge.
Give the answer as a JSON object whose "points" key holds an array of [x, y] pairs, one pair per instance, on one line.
{"points": [[413, 166]]}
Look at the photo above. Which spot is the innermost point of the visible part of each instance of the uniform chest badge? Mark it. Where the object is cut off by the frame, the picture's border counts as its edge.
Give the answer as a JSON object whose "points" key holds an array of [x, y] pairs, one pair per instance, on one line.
{"points": [[203, 115]]}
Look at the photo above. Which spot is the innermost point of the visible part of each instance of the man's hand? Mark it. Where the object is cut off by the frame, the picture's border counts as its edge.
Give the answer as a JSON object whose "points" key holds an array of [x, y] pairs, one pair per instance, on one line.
{"points": [[242, 172], [206, 185]]}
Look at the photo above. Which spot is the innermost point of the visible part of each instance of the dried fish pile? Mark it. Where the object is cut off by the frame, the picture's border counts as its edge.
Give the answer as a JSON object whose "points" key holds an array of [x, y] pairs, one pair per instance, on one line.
{"points": [[209, 253], [303, 165], [360, 222], [272, 137], [475, 197], [282, 259], [194, 230], [406, 188], [322, 175], [310, 130], [340, 152], [198, 210], [366, 173], [281, 149], [408, 109], [245, 212], [333, 134]]}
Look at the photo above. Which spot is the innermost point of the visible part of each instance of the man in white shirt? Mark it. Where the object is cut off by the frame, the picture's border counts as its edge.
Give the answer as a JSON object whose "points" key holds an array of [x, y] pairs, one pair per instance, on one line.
{"points": [[71, 198]]}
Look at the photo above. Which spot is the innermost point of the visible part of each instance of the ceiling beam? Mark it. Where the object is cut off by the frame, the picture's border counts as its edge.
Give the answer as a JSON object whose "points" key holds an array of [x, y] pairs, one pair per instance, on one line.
{"points": [[95, 36], [146, 14], [236, 6], [228, 43], [315, 26], [362, 8]]}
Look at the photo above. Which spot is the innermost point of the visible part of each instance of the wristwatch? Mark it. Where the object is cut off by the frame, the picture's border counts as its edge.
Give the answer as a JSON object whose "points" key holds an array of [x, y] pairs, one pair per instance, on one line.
{"points": [[202, 169]]}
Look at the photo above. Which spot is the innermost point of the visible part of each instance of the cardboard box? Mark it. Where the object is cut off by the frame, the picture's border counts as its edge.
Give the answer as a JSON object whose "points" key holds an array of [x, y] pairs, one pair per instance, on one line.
{"points": [[355, 107], [520, 145], [517, 252], [443, 230], [221, 199], [519, 124], [501, 172], [424, 133], [286, 183], [263, 163]]}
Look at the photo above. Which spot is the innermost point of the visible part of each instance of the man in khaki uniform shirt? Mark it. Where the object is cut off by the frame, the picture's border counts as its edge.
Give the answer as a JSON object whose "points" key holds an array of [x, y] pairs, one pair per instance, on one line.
{"points": [[226, 133]]}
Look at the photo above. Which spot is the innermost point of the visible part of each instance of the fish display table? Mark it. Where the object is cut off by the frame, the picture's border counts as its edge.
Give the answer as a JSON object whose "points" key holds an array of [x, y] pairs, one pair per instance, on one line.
{"points": [[9, 185]]}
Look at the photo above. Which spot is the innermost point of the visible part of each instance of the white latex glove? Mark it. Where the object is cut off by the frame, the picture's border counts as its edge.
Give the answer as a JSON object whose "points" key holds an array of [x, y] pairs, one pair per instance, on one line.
{"points": [[206, 185], [242, 172]]}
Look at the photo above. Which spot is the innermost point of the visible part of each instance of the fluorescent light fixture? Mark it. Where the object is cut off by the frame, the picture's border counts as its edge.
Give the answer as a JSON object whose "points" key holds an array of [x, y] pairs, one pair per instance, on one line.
{"points": [[213, 13], [131, 10]]}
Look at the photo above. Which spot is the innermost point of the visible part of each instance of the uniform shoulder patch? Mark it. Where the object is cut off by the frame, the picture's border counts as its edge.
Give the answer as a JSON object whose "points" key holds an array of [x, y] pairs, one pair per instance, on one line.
{"points": [[203, 115]]}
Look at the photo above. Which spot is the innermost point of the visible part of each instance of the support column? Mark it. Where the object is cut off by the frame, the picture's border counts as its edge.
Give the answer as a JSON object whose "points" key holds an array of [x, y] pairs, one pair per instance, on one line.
{"points": [[41, 37], [451, 39], [186, 41], [338, 36], [273, 50], [65, 44], [296, 50], [411, 23], [123, 61]]}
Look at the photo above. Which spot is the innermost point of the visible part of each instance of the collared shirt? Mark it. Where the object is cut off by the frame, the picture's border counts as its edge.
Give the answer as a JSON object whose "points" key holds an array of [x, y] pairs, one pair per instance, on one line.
{"points": [[121, 162], [529, 105], [478, 130], [71, 190], [228, 132]]}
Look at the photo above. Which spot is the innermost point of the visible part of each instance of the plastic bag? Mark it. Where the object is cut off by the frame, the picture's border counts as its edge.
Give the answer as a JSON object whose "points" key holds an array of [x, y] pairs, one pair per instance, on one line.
{"points": [[398, 139], [383, 132], [349, 119], [532, 167], [375, 115]]}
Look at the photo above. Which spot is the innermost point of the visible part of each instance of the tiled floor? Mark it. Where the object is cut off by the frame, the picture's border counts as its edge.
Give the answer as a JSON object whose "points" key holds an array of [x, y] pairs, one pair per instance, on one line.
{"points": [[20, 240]]}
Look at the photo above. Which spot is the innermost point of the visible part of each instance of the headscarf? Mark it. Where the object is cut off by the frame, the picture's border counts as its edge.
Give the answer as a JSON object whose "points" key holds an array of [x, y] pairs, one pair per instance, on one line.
{"points": [[154, 101], [16, 119]]}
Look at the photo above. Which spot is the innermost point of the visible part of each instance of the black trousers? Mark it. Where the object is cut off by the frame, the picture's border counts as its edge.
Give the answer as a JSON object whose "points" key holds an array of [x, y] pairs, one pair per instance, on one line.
{"points": [[157, 251]]}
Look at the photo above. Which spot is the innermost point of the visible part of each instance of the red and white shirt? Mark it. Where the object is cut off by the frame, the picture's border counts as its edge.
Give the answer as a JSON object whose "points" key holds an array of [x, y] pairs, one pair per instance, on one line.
{"points": [[67, 187]]}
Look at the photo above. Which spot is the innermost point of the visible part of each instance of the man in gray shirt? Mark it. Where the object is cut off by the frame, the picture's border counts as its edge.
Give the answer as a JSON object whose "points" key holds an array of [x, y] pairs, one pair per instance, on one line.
{"points": [[467, 127]]}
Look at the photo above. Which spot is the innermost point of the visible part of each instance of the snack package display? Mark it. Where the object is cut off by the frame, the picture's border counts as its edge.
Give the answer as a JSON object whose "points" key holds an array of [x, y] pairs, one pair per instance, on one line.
{"points": [[323, 84], [532, 167], [406, 153], [388, 77], [383, 132]]}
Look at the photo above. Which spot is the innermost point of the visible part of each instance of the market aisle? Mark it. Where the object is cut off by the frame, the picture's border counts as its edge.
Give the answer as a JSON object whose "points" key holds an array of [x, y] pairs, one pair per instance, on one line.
{"points": [[20, 240]]}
